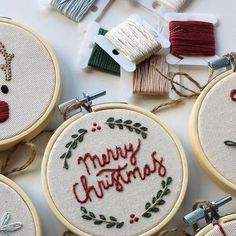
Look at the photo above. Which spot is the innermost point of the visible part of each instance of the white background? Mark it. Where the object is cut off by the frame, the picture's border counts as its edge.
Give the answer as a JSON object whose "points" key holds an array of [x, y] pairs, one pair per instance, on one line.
{"points": [[65, 38]]}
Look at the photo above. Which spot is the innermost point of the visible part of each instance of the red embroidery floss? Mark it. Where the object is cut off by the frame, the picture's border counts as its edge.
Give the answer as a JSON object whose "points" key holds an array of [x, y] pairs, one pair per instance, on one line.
{"points": [[192, 38], [4, 111]]}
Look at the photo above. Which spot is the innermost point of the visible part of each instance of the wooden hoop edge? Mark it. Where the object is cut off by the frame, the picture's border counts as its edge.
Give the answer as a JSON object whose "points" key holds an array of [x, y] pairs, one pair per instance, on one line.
{"points": [[171, 134], [28, 202], [196, 144], [32, 131]]}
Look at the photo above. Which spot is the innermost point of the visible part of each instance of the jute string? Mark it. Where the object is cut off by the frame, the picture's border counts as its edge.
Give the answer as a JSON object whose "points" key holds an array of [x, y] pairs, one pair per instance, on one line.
{"points": [[5, 164], [183, 96]]}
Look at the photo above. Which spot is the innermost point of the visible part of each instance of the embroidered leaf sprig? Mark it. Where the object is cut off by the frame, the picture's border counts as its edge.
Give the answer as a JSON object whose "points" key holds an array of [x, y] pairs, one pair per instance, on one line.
{"points": [[110, 221], [129, 124], [76, 138], [6, 228], [157, 201], [230, 143]]}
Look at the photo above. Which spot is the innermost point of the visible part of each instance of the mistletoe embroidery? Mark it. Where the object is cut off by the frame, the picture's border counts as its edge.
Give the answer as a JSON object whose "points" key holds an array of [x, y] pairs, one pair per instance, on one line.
{"points": [[158, 199], [6, 228], [129, 124], [110, 223], [77, 138]]}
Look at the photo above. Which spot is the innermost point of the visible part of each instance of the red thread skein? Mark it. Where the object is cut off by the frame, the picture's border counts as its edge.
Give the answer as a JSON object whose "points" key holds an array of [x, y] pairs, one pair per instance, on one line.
{"points": [[192, 38]]}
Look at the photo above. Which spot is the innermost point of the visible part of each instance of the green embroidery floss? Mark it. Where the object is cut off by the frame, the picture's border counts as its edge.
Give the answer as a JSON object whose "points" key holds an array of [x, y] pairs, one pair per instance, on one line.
{"points": [[101, 61]]}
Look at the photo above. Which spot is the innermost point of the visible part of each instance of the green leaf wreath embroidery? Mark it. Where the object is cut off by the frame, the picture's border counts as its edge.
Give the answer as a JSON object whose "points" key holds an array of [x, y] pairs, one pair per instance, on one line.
{"points": [[110, 221], [129, 124], [77, 138], [6, 228], [153, 206]]}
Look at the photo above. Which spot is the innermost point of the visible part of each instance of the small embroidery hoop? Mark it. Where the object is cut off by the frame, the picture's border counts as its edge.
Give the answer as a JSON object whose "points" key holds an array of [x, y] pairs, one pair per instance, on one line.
{"points": [[210, 227], [195, 141], [111, 106], [28, 202], [41, 123]]}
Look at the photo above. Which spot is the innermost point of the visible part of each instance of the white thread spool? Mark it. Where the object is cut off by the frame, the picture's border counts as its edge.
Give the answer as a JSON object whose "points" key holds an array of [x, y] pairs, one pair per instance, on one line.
{"points": [[173, 4], [132, 42]]}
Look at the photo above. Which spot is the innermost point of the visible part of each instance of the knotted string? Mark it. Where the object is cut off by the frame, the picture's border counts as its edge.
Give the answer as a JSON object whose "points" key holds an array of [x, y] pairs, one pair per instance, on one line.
{"points": [[174, 83], [4, 170], [209, 217], [174, 232]]}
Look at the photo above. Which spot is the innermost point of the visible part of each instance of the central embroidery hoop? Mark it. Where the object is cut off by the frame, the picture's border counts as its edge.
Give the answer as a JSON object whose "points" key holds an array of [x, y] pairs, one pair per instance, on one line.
{"points": [[226, 223], [34, 84], [217, 93], [55, 144], [20, 197]]}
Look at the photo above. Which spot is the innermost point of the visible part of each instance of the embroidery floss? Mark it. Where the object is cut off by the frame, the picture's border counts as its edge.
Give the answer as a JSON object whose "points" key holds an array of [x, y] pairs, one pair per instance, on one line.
{"points": [[100, 60], [147, 80], [192, 38], [135, 39], [73, 9], [173, 4]]}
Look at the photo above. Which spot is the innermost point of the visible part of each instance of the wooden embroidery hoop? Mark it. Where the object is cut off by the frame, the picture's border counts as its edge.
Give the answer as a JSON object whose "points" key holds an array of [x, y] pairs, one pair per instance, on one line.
{"points": [[108, 107], [28, 202], [195, 141], [222, 220], [41, 123]]}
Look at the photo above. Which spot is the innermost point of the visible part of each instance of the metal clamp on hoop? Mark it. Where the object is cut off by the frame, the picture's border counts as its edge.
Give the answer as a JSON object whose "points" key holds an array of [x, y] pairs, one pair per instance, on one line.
{"points": [[77, 103], [227, 61], [207, 211]]}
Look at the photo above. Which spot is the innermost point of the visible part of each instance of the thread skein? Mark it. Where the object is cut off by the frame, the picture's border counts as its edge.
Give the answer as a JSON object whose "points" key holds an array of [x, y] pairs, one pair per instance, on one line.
{"points": [[173, 4], [147, 80], [100, 60], [134, 39], [192, 38], [73, 9]]}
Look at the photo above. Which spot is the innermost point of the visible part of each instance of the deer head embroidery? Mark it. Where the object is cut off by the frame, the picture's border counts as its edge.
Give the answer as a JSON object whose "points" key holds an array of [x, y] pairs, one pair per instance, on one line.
{"points": [[6, 68]]}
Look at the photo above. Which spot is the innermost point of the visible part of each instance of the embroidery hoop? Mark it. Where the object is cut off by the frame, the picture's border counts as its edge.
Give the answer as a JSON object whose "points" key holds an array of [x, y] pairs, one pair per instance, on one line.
{"points": [[102, 107], [32, 131], [210, 227], [28, 202], [195, 140]]}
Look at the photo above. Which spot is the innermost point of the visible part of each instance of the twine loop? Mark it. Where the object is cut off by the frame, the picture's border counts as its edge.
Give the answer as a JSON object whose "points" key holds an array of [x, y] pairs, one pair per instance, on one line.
{"points": [[209, 217], [4, 169]]}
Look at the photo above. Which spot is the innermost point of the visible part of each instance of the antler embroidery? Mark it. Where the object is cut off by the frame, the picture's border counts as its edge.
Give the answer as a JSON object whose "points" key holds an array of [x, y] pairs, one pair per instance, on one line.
{"points": [[8, 58]]}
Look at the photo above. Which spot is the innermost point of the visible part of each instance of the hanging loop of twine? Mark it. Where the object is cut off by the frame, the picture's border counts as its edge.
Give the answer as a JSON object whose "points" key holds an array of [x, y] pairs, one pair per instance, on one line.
{"points": [[4, 170], [209, 217], [68, 233], [182, 95], [174, 232]]}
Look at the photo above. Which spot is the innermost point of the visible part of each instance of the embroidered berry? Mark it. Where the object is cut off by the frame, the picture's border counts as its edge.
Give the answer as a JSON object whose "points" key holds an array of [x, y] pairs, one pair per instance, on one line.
{"points": [[99, 127], [136, 219], [95, 124], [4, 89], [93, 129], [233, 95], [4, 111], [131, 221], [132, 215]]}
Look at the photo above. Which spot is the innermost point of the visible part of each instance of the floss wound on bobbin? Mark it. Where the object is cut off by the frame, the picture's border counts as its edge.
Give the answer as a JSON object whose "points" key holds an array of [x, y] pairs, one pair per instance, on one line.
{"points": [[192, 38], [161, 7], [132, 42], [78, 10], [147, 80], [92, 56]]}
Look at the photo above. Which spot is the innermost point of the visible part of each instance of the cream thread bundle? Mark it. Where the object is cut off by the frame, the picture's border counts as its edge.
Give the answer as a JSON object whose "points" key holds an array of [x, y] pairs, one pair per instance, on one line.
{"points": [[134, 39], [173, 4]]}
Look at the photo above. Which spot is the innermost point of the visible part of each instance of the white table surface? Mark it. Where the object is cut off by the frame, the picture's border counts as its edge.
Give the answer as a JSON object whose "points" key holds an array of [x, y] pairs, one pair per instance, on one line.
{"points": [[64, 36]]}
